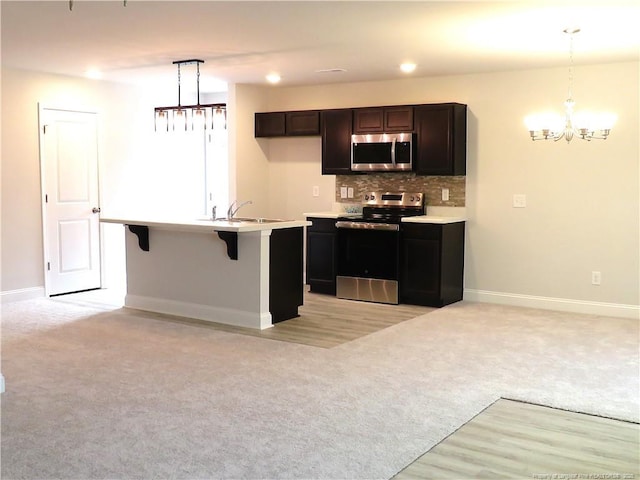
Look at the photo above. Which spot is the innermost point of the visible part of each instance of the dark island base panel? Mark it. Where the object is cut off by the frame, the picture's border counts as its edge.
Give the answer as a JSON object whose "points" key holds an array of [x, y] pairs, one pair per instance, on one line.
{"points": [[286, 283], [282, 315]]}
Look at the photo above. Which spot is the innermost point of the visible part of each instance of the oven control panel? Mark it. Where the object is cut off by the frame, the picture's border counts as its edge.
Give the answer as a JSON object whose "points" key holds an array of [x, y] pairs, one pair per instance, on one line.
{"points": [[393, 199]]}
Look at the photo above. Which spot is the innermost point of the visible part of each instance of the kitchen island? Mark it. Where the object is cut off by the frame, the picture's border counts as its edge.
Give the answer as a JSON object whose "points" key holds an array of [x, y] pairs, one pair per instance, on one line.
{"points": [[242, 272]]}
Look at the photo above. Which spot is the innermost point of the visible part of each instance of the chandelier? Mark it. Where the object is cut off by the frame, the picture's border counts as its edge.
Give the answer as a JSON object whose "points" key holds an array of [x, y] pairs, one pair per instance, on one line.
{"points": [[198, 116], [586, 126]]}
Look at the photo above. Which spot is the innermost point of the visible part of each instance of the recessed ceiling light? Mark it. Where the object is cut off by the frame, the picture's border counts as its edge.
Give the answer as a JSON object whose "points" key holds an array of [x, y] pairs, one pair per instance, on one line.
{"points": [[93, 74], [408, 67], [273, 78]]}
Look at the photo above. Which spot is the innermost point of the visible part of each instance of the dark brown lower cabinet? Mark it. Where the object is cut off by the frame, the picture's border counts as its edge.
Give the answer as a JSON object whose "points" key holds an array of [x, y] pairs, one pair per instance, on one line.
{"points": [[431, 263], [321, 255]]}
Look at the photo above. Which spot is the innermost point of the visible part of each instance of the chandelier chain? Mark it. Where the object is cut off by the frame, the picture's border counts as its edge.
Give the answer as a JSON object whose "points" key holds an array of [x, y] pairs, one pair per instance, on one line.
{"points": [[570, 92], [178, 85]]}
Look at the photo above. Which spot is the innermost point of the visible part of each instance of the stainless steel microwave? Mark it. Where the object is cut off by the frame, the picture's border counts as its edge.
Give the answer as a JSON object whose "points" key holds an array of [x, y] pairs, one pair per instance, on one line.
{"points": [[384, 152]]}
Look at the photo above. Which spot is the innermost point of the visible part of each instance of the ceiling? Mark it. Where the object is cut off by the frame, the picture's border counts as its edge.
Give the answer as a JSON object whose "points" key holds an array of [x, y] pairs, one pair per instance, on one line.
{"points": [[304, 41]]}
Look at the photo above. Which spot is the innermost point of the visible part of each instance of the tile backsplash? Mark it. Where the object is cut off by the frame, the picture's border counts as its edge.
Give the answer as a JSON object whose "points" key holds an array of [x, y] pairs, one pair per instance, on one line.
{"points": [[431, 186]]}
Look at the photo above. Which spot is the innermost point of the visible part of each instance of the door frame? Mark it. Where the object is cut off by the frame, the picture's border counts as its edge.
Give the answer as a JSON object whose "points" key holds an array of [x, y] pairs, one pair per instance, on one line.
{"points": [[45, 238]]}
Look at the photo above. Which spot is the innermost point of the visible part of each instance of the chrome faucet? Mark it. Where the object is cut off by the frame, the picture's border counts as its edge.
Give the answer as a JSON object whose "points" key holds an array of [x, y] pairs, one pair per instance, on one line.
{"points": [[231, 212]]}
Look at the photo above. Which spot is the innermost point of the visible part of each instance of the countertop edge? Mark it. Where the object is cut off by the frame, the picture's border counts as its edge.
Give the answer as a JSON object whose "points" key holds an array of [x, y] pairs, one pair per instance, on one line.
{"points": [[433, 219], [207, 226], [439, 219], [330, 214]]}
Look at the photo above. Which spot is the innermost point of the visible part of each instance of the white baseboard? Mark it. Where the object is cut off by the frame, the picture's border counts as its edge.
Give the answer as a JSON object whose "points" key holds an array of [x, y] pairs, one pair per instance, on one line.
{"points": [[21, 294], [238, 318], [550, 303]]}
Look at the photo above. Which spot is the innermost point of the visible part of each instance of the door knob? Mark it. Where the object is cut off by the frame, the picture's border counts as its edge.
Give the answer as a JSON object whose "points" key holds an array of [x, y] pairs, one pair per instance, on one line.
{"points": [[95, 209]]}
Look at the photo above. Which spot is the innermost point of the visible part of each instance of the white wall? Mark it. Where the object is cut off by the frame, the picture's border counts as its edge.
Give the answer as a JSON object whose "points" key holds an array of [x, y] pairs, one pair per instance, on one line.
{"points": [[249, 166], [582, 209], [140, 171], [22, 262]]}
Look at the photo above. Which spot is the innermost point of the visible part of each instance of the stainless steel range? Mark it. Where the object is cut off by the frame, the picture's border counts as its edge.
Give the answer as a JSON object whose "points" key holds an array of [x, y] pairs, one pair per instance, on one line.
{"points": [[368, 247]]}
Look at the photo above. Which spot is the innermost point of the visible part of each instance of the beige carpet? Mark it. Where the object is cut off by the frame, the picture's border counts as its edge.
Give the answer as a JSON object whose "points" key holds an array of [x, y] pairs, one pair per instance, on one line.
{"points": [[95, 394]]}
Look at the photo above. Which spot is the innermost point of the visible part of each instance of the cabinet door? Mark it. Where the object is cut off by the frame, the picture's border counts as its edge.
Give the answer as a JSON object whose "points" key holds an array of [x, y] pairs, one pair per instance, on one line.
{"points": [[432, 263], [269, 124], [336, 142], [383, 119], [368, 120], [321, 256], [302, 123], [441, 139], [420, 265], [398, 119]]}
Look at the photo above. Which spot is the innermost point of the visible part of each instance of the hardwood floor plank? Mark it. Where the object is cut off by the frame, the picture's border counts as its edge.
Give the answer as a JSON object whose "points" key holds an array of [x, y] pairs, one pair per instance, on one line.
{"points": [[518, 440], [324, 322]]}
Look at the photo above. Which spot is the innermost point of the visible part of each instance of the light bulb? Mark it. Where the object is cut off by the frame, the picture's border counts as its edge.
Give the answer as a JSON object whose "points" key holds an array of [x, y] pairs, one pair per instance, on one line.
{"points": [[198, 119], [180, 118]]}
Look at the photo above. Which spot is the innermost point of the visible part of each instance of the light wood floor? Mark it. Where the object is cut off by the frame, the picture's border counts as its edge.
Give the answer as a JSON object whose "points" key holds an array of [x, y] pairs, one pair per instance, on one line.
{"points": [[325, 321], [519, 440]]}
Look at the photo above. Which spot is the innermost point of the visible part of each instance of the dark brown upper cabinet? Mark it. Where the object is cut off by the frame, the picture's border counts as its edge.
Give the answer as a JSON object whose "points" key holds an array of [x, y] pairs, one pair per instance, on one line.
{"points": [[336, 142], [285, 124], [441, 139], [302, 123], [269, 124], [383, 119]]}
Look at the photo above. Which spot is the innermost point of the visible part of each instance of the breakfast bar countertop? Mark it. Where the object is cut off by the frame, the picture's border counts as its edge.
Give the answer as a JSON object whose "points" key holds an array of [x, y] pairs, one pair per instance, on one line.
{"points": [[205, 225]]}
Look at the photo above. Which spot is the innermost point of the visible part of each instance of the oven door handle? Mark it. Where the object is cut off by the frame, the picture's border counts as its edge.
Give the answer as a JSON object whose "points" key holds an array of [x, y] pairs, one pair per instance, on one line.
{"points": [[368, 226]]}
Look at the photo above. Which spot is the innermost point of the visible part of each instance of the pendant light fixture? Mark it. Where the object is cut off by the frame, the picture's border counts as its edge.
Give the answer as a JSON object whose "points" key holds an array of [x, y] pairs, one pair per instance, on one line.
{"points": [[585, 126], [198, 116]]}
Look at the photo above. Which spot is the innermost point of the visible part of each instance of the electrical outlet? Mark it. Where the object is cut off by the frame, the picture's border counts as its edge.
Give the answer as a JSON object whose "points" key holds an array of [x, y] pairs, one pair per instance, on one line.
{"points": [[596, 278], [445, 194], [343, 192], [316, 191], [519, 200]]}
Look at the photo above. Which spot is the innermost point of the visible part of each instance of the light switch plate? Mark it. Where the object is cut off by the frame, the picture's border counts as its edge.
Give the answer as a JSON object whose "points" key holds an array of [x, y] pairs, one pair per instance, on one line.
{"points": [[350, 192], [316, 191], [519, 200], [445, 194], [343, 192]]}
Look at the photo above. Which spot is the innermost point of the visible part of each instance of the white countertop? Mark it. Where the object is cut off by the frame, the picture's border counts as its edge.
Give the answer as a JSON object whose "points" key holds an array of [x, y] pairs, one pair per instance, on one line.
{"points": [[439, 219], [205, 225], [432, 219], [330, 214]]}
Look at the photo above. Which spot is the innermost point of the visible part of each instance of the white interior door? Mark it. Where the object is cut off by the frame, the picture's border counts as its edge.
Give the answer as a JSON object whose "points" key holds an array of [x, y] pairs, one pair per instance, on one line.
{"points": [[69, 159]]}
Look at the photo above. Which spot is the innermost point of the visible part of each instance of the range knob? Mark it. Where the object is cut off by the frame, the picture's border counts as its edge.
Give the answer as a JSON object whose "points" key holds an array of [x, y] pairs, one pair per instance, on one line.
{"points": [[373, 197], [366, 197]]}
